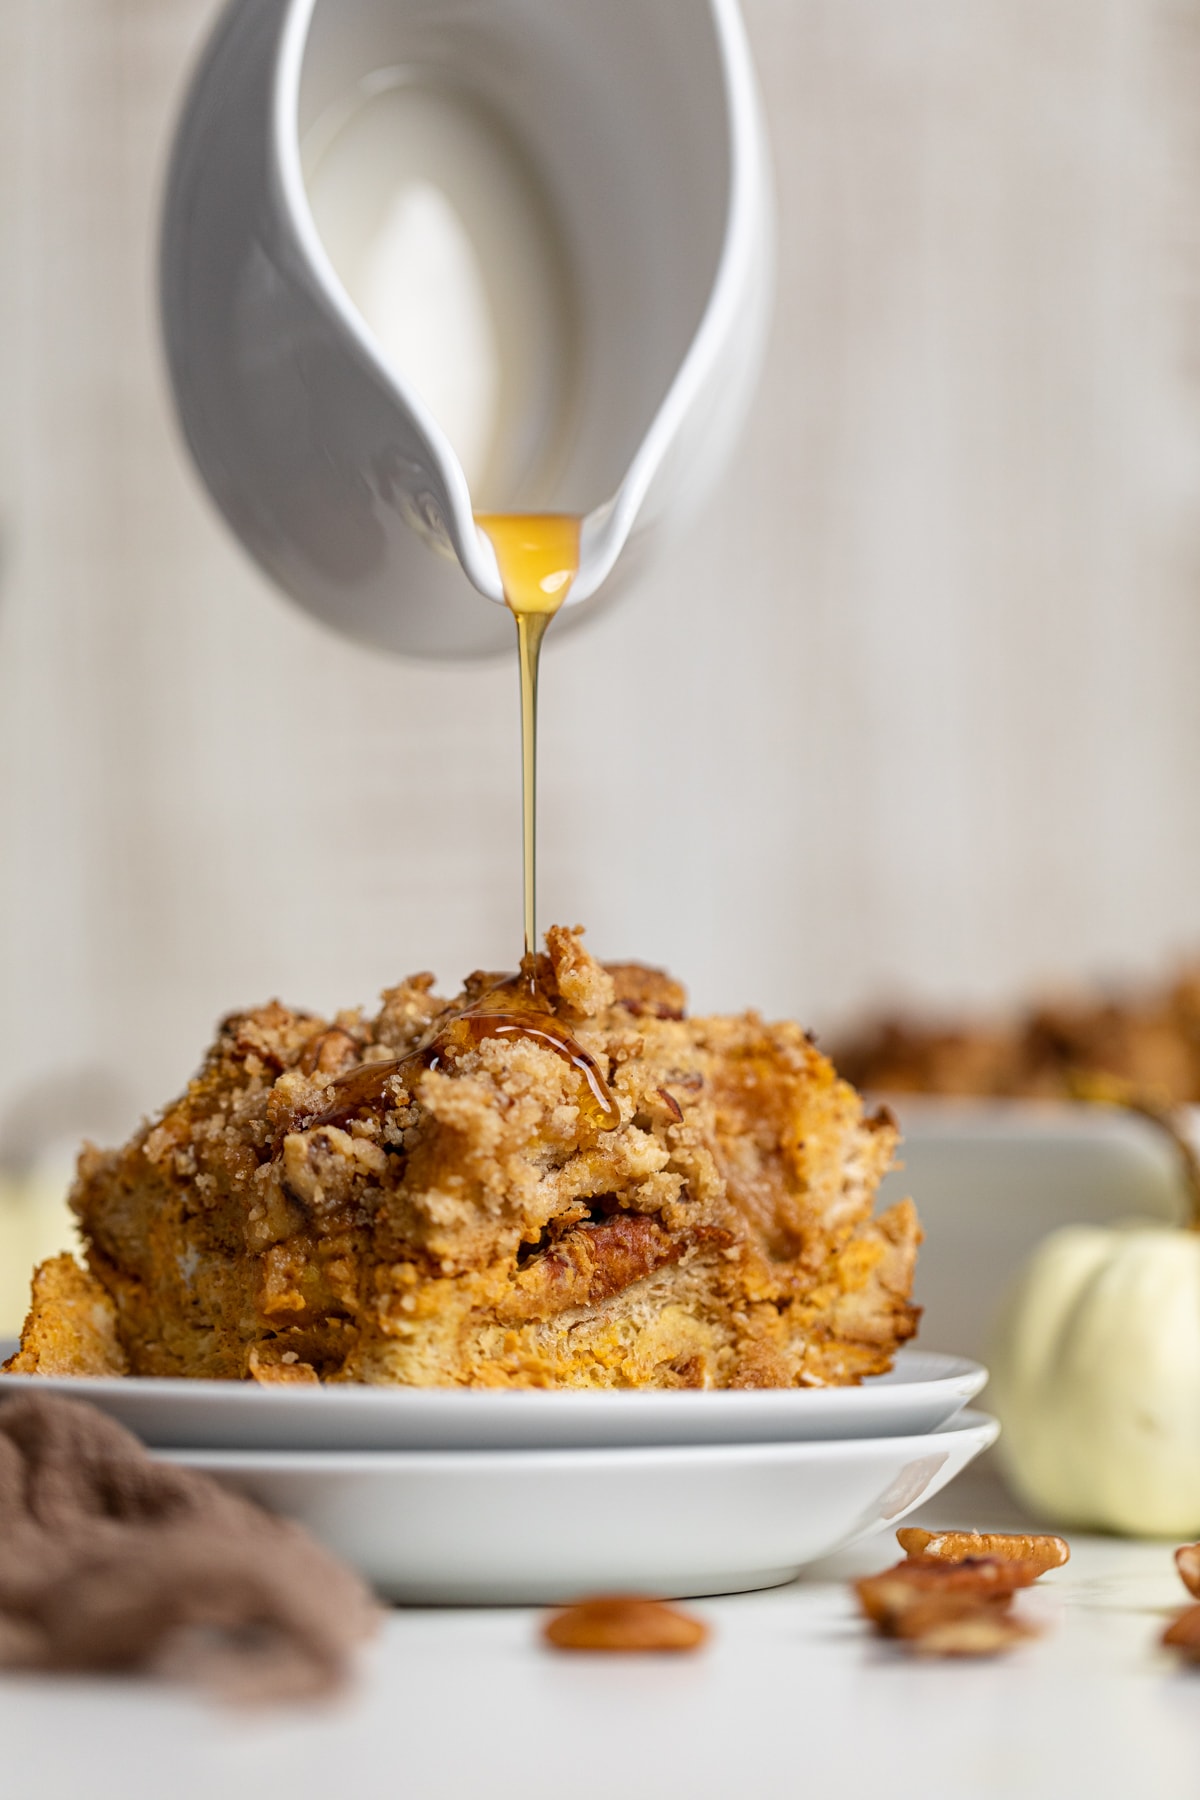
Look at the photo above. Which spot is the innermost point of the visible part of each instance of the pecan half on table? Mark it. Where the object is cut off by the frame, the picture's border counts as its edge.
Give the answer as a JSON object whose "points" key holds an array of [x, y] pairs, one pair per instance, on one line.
{"points": [[1040, 1549], [625, 1622]]}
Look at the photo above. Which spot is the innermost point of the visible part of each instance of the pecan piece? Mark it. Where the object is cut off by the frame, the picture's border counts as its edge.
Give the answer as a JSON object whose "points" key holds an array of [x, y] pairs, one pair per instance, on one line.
{"points": [[329, 1053], [1183, 1634], [980, 1581], [591, 1263], [646, 993], [948, 1609], [1187, 1561], [934, 1629], [624, 1622], [1038, 1548]]}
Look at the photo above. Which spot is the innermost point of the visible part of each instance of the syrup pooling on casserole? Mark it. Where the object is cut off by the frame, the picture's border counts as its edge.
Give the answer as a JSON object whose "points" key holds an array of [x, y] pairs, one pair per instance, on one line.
{"points": [[519, 1007], [516, 1006]]}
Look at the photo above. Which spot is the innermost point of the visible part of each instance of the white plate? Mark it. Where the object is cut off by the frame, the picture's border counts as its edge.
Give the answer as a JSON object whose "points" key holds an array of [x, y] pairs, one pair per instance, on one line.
{"points": [[535, 1527], [920, 1393]]}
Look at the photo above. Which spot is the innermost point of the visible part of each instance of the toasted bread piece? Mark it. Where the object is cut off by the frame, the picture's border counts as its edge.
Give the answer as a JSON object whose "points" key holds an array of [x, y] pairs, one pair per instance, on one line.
{"points": [[71, 1328]]}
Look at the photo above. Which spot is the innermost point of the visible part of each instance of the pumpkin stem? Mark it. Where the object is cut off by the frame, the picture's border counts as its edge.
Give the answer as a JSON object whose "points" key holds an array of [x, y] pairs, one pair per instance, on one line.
{"points": [[1102, 1089]]}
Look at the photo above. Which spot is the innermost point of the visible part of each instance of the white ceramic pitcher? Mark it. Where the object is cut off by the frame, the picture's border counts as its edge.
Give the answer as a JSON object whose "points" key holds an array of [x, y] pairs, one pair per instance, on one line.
{"points": [[632, 127]]}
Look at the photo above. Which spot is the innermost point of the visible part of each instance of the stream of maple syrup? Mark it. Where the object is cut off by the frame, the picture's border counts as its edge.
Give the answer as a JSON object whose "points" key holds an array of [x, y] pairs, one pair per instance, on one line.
{"points": [[538, 557]]}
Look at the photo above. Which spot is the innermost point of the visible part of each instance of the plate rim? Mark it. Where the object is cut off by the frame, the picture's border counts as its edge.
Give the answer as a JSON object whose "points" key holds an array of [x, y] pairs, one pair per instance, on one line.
{"points": [[968, 1424], [963, 1374]]}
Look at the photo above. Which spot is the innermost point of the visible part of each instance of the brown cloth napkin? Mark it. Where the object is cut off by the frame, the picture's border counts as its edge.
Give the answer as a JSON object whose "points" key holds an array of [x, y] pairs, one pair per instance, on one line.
{"points": [[110, 1561]]}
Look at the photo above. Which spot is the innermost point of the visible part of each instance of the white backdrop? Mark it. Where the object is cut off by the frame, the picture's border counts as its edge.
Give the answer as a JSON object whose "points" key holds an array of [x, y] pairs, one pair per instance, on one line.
{"points": [[953, 749]]}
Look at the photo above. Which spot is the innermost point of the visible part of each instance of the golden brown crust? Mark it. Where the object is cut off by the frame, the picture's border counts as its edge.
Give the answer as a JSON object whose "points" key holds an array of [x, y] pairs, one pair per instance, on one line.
{"points": [[72, 1325], [313, 1208], [584, 987]]}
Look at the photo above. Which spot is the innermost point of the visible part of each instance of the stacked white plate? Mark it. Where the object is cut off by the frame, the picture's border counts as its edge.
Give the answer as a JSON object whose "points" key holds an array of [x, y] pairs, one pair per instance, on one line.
{"points": [[468, 1497]]}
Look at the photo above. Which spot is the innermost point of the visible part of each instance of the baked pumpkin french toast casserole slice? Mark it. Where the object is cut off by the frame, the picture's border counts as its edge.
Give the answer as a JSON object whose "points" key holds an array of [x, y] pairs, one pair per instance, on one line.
{"points": [[598, 1193]]}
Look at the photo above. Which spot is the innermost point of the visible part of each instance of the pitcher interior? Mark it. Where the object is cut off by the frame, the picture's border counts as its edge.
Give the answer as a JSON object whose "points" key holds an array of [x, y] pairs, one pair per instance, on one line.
{"points": [[527, 206]]}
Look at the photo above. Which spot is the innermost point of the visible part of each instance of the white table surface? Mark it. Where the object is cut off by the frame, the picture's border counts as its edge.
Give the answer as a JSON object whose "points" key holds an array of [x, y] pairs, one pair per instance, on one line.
{"points": [[791, 1697]]}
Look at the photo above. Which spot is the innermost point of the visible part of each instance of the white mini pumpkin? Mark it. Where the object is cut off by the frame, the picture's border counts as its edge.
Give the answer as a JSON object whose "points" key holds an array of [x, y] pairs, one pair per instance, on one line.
{"points": [[1096, 1380]]}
